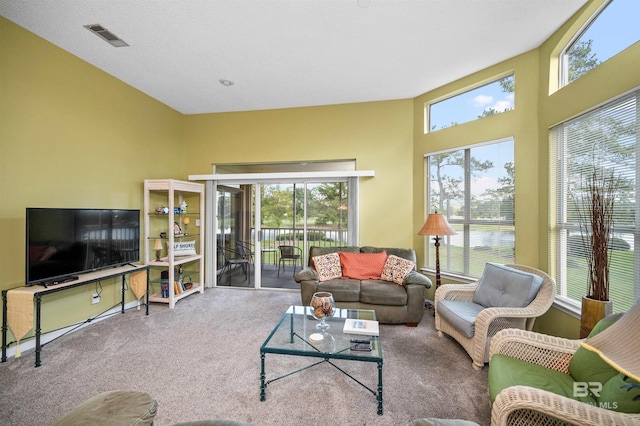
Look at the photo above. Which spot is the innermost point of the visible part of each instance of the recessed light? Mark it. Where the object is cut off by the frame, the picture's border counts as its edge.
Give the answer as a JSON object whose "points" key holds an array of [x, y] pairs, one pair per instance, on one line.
{"points": [[106, 35], [226, 82]]}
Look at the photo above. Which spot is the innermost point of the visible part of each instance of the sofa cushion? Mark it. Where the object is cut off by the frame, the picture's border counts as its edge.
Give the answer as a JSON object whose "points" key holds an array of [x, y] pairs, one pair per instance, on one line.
{"points": [[587, 366], [614, 396], [462, 315], [396, 268], [408, 254], [378, 292], [343, 289], [501, 286], [319, 251], [362, 266], [327, 266], [505, 371]]}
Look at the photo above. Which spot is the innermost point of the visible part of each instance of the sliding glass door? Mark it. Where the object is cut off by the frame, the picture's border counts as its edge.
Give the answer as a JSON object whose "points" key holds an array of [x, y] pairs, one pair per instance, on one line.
{"points": [[264, 230]]}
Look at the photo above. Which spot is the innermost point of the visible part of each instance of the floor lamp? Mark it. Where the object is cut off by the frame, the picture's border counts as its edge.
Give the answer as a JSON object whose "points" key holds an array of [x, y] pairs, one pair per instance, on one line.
{"points": [[437, 225]]}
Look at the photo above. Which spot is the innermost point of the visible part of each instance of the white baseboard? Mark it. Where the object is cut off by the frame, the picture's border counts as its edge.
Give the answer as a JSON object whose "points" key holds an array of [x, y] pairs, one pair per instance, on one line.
{"points": [[52, 335]]}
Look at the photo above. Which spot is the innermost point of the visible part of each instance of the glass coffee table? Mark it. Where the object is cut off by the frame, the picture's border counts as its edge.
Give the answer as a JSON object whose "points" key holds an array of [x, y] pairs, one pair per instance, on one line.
{"points": [[296, 334]]}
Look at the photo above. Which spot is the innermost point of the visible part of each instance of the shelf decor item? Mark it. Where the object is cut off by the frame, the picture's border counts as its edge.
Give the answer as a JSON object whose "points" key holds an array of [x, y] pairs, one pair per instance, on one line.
{"points": [[157, 246], [185, 222], [594, 208], [323, 307]]}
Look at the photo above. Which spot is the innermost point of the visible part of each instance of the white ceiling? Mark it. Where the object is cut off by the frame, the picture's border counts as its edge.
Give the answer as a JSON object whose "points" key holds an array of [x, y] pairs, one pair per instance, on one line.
{"points": [[293, 53]]}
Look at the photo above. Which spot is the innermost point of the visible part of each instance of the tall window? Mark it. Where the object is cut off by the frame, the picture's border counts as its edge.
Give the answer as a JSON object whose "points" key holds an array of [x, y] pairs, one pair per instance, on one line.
{"points": [[492, 98], [611, 30], [605, 140], [474, 189]]}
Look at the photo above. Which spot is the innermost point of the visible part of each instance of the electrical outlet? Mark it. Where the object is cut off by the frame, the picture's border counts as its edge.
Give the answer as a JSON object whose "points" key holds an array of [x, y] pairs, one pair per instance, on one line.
{"points": [[95, 298], [197, 222]]}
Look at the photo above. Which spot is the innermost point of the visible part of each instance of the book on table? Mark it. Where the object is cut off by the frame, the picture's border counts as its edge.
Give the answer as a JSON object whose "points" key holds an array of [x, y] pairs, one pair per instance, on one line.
{"points": [[360, 326]]}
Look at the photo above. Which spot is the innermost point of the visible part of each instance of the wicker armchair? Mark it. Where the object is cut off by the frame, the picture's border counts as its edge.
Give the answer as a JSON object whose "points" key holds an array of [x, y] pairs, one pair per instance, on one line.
{"points": [[524, 405], [491, 320]]}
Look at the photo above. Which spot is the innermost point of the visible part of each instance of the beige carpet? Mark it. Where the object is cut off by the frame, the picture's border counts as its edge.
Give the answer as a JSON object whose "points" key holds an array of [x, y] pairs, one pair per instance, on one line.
{"points": [[201, 361]]}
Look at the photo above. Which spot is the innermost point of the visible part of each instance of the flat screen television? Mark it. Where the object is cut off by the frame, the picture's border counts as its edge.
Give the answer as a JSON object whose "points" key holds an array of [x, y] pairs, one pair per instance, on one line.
{"points": [[64, 242]]}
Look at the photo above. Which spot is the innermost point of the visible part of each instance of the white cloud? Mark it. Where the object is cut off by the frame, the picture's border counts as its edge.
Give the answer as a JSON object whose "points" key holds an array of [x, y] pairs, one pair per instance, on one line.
{"points": [[482, 100], [502, 105]]}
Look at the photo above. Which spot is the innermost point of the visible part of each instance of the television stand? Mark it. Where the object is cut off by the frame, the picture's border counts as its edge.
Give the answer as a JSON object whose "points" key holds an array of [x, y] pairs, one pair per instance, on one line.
{"points": [[38, 292]]}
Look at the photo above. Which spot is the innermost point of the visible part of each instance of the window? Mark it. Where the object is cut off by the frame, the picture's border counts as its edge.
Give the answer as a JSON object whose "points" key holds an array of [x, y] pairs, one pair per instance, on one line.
{"points": [[474, 189], [611, 30], [490, 99], [604, 140]]}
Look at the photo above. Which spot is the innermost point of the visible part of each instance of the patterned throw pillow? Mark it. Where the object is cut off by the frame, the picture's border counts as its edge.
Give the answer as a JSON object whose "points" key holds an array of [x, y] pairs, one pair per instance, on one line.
{"points": [[328, 266], [396, 269]]}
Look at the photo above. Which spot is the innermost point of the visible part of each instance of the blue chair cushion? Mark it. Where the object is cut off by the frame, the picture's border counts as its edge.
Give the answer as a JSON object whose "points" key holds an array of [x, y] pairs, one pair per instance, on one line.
{"points": [[462, 315], [501, 286]]}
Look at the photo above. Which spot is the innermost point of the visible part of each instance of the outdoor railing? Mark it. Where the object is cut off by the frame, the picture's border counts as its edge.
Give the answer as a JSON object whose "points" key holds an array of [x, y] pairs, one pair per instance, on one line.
{"points": [[272, 238]]}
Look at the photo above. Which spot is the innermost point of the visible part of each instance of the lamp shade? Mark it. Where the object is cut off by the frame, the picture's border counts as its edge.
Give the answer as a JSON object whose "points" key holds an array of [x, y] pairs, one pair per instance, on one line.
{"points": [[436, 224], [619, 345], [157, 245], [185, 220]]}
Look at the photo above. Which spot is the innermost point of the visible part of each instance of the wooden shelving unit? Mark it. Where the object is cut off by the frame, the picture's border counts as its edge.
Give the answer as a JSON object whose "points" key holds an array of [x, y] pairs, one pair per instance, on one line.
{"points": [[164, 221]]}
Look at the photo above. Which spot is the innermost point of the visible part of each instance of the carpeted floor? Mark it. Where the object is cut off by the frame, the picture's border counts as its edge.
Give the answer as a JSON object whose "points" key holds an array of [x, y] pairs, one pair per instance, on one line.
{"points": [[201, 361]]}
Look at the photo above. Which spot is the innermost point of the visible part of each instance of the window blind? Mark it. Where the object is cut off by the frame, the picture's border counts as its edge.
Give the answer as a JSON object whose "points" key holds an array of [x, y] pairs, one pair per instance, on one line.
{"points": [[602, 142], [474, 188]]}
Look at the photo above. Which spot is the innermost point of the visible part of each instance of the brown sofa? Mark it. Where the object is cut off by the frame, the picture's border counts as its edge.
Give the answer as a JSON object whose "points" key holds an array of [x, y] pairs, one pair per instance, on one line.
{"points": [[393, 303]]}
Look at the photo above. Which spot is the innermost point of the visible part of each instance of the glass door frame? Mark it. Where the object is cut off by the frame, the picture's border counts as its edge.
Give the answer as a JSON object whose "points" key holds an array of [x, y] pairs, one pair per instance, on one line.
{"points": [[211, 199]]}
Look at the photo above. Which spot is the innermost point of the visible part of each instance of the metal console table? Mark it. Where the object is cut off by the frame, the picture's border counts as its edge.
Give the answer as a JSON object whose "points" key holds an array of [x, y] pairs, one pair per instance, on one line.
{"points": [[84, 279]]}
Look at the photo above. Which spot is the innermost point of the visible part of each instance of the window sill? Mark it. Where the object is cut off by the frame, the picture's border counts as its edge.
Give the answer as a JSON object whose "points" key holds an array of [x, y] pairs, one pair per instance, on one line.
{"points": [[449, 276], [568, 306]]}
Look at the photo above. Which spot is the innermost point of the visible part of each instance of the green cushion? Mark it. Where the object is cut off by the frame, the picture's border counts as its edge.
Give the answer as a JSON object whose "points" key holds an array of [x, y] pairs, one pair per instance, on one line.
{"points": [[587, 366], [505, 371], [614, 397]]}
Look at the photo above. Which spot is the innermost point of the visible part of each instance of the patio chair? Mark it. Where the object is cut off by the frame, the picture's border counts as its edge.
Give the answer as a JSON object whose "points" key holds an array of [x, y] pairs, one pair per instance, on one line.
{"points": [[507, 296], [245, 249], [291, 254], [231, 260]]}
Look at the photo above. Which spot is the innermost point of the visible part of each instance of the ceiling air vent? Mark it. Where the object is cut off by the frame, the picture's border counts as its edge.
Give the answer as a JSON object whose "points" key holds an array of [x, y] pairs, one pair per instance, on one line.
{"points": [[106, 35]]}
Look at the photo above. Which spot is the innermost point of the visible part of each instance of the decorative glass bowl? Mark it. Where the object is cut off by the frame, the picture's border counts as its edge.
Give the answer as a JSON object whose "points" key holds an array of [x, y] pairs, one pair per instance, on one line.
{"points": [[322, 307]]}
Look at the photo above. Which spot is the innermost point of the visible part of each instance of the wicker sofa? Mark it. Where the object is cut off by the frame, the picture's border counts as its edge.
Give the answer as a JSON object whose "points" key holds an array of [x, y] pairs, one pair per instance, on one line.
{"points": [[393, 303]]}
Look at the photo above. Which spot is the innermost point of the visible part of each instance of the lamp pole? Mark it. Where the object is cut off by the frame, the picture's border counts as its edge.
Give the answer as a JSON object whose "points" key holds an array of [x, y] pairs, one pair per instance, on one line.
{"points": [[437, 240]]}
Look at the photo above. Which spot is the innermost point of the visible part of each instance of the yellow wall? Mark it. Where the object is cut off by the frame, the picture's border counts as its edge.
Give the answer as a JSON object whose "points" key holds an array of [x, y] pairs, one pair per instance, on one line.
{"points": [[612, 78], [72, 136], [538, 106], [377, 134], [519, 123]]}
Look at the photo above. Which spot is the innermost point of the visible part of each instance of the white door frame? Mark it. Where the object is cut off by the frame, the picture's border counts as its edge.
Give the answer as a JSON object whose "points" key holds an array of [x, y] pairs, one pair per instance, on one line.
{"points": [[211, 206]]}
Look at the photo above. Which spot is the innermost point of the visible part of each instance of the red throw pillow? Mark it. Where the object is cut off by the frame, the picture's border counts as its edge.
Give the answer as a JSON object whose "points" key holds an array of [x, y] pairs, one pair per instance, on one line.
{"points": [[362, 266]]}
